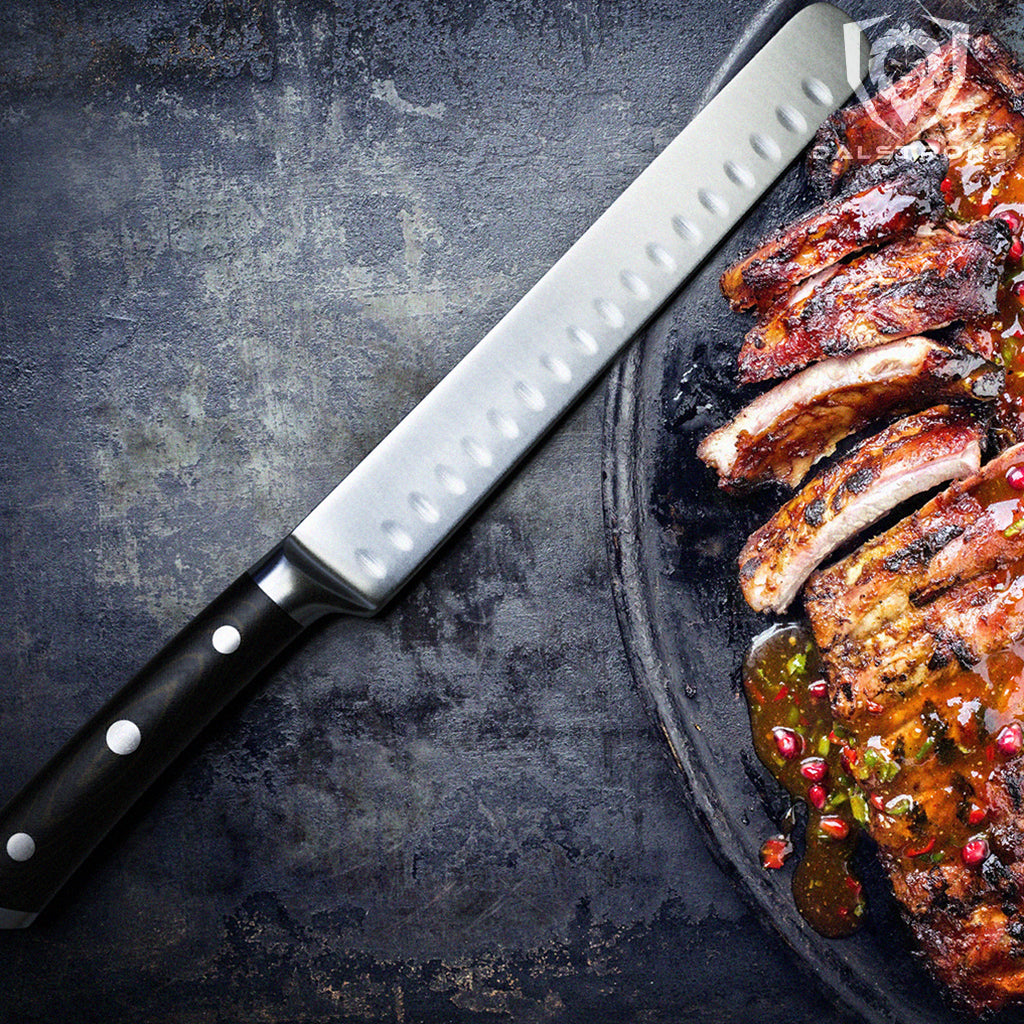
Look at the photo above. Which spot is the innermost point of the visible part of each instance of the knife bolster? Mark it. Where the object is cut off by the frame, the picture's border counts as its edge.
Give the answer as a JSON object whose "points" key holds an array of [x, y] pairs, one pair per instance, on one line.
{"points": [[302, 588]]}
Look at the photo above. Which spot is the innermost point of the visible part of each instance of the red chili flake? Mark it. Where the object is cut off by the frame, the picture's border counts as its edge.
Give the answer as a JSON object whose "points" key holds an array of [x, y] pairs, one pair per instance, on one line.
{"points": [[818, 689], [874, 708], [974, 852], [876, 801], [774, 852], [976, 816], [985, 208], [853, 885], [920, 851], [833, 738], [848, 756], [990, 752], [783, 692], [1015, 477], [834, 827], [816, 796]]}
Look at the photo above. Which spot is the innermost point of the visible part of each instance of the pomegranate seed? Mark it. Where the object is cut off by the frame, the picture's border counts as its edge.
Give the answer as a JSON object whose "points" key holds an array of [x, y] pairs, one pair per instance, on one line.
{"points": [[1016, 249], [976, 816], [974, 852], [819, 688], [834, 828], [1018, 289], [816, 795], [947, 185], [774, 852], [1010, 739], [876, 801], [1012, 219], [789, 743], [814, 768], [1015, 477]]}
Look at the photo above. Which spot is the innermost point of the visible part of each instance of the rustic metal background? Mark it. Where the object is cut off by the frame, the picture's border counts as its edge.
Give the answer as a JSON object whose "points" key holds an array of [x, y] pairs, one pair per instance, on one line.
{"points": [[237, 241]]}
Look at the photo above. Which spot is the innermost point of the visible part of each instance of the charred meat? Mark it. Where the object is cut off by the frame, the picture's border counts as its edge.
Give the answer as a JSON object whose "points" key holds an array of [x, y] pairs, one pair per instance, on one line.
{"points": [[922, 637], [783, 432], [907, 287], [907, 458], [965, 100], [893, 203]]}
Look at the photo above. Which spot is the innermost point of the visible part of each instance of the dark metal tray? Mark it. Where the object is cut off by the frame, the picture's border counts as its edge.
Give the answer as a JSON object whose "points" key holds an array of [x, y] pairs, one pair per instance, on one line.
{"points": [[674, 538]]}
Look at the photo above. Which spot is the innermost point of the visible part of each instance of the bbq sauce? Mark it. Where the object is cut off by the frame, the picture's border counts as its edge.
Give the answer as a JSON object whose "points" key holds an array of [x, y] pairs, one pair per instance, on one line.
{"points": [[797, 741]]}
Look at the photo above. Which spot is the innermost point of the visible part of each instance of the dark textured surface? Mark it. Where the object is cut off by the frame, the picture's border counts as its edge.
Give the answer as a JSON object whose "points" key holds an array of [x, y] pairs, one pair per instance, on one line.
{"points": [[237, 241]]}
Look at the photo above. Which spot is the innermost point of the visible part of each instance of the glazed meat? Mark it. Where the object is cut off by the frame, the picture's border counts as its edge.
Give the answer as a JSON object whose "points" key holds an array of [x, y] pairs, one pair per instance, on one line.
{"points": [[907, 458], [965, 100], [894, 203], [864, 608], [907, 287], [922, 637], [783, 432]]}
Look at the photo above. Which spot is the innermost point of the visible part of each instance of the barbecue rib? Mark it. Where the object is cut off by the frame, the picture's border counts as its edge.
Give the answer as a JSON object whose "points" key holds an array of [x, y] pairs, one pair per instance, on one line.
{"points": [[922, 636], [906, 458], [903, 195], [965, 100], [783, 432], [909, 286]]}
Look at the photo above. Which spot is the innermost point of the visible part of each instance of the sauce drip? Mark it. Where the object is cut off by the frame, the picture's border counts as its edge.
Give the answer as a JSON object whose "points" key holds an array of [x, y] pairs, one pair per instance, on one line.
{"points": [[796, 740]]}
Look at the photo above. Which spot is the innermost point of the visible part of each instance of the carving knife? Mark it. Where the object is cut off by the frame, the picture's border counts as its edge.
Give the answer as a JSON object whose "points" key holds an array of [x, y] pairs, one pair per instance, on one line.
{"points": [[371, 534]]}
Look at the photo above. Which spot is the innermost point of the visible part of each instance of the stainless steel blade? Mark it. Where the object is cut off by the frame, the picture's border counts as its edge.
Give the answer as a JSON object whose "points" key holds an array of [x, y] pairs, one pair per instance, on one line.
{"points": [[378, 526]]}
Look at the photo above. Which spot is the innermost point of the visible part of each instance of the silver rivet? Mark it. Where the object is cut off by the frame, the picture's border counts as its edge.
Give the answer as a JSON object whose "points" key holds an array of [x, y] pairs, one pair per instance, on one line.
{"points": [[765, 147], [397, 535], [503, 424], [20, 846], [583, 340], [558, 369], [124, 737], [687, 230], [791, 119], [226, 639], [450, 480], [424, 507], [713, 202], [477, 452], [371, 564], [660, 257], [609, 313]]}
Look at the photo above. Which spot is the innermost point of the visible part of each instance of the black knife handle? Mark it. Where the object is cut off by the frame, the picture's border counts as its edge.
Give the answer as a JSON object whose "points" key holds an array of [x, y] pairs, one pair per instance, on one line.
{"points": [[53, 824]]}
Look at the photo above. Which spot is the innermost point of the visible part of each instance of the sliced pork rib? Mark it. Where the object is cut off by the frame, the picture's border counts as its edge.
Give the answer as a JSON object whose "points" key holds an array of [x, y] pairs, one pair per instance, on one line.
{"points": [[909, 286], [922, 637], [907, 458], [783, 432], [905, 195], [965, 99]]}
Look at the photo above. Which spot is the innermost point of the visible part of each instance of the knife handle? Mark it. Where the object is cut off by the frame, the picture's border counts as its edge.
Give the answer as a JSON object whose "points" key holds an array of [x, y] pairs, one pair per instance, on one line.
{"points": [[53, 824]]}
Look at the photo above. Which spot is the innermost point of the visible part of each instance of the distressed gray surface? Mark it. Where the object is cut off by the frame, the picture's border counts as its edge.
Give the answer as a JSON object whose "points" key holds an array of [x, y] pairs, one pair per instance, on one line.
{"points": [[237, 242]]}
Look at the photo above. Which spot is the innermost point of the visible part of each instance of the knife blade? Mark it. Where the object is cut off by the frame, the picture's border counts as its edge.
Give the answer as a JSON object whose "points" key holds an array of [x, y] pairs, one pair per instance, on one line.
{"points": [[370, 535]]}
